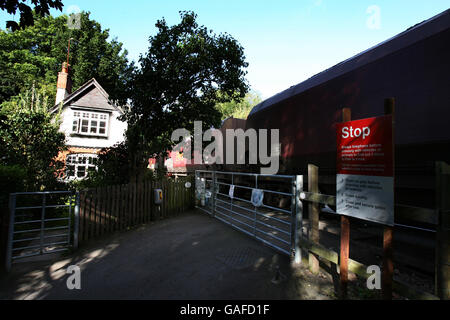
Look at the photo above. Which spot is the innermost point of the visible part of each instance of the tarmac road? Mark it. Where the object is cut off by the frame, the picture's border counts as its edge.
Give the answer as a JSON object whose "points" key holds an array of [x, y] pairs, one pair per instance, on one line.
{"points": [[191, 256]]}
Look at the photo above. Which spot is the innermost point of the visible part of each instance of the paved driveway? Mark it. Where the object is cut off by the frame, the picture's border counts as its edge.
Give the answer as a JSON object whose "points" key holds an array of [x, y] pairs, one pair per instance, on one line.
{"points": [[191, 256]]}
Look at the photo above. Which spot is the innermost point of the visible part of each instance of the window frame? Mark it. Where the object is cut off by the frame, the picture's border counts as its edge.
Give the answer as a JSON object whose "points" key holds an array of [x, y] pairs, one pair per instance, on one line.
{"points": [[78, 117], [74, 161]]}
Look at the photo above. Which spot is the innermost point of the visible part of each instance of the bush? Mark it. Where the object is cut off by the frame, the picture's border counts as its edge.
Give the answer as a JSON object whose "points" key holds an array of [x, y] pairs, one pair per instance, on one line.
{"points": [[30, 138], [12, 179]]}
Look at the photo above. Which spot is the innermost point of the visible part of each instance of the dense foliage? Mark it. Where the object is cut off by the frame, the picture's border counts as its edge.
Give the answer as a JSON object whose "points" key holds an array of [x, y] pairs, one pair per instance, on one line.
{"points": [[186, 74], [35, 54], [239, 108], [187, 70], [114, 168], [12, 179], [41, 8], [30, 139]]}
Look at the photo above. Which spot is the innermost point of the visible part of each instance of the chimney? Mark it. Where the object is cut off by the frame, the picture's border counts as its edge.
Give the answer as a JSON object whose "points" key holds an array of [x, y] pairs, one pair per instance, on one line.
{"points": [[64, 85]]}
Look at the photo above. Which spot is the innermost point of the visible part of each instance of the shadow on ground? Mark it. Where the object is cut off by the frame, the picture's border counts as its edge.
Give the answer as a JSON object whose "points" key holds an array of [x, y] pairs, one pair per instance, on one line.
{"points": [[191, 256]]}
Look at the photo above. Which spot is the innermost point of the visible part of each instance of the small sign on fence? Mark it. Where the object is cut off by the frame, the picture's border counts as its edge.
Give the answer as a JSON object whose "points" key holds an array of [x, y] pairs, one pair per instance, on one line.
{"points": [[158, 196], [365, 169], [257, 197], [231, 192]]}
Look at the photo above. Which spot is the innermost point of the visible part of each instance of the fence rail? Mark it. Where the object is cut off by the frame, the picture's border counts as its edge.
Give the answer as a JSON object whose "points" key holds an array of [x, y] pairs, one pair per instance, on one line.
{"points": [[274, 226], [417, 214], [40, 229], [436, 218], [361, 270], [114, 208], [432, 222]]}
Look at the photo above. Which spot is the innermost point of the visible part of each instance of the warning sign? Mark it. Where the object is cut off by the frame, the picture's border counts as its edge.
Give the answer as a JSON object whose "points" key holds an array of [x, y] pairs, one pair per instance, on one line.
{"points": [[365, 169]]}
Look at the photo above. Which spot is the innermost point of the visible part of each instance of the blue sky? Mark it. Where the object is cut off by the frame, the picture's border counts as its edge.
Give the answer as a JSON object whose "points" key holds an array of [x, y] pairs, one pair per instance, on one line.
{"points": [[285, 42]]}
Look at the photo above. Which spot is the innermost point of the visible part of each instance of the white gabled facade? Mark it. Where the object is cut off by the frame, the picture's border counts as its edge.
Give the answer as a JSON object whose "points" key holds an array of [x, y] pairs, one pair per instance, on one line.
{"points": [[89, 121], [114, 128]]}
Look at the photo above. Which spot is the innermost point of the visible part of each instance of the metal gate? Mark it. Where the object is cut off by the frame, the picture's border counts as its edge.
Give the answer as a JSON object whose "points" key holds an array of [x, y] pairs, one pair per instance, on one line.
{"points": [[276, 221], [41, 223]]}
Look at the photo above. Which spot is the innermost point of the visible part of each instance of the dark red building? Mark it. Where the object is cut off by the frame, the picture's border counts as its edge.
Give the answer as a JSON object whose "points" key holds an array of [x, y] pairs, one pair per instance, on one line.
{"points": [[413, 67]]}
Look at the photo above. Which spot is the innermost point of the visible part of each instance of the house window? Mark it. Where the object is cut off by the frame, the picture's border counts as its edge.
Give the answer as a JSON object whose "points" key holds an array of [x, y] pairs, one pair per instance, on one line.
{"points": [[90, 123], [79, 165], [84, 126], [94, 125]]}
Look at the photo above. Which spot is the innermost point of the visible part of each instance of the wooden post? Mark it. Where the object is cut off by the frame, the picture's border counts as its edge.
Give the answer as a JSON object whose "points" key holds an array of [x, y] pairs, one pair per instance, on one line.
{"points": [[108, 208], [138, 203], [345, 233], [82, 215], [170, 197], [146, 203], [134, 204], [443, 231], [128, 208], [164, 202], [91, 219], [213, 194], [112, 207], [118, 205], [141, 202], [388, 252], [76, 220], [313, 186], [97, 210], [121, 214], [152, 206], [103, 201]]}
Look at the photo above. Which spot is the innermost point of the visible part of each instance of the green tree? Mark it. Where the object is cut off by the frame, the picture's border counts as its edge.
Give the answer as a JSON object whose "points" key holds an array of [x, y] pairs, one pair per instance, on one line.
{"points": [[41, 7], [239, 108], [30, 139], [179, 81], [113, 167], [35, 54]]}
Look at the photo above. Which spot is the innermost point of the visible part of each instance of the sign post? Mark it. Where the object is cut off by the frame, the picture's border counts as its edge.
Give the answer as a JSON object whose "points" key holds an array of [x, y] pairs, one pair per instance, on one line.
{"points": [[365, 182], [388, 251], [345, 233]]}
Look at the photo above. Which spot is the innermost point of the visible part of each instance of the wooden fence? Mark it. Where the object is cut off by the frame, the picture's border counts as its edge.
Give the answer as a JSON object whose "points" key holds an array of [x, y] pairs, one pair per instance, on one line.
{"points": [[439, 217], [114, 208]]}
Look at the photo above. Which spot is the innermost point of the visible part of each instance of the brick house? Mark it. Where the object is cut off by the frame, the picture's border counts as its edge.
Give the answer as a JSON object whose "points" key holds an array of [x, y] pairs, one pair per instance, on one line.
{"points": [[90, 122]]}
